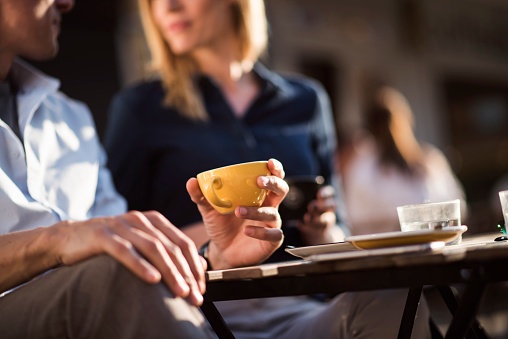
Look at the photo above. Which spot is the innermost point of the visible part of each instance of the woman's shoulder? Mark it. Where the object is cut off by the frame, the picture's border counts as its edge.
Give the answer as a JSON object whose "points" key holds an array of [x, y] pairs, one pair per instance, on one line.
{"points": [[435, 159], [303, 84], [431, 151], [296, 83]]}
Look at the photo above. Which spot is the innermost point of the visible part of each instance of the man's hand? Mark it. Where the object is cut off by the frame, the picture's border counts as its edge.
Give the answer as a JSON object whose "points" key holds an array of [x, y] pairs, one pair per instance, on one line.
{"points": [[145, 242], [251, 234]]}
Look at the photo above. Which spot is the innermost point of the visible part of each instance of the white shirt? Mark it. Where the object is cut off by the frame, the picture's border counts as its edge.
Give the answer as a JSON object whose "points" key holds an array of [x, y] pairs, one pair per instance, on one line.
{"points": [[372, 193], [58, 172]]}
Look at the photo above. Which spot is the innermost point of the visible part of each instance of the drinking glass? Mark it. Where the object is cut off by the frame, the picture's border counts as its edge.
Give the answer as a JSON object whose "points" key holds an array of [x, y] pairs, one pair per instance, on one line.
{"points": [[434, 215]]}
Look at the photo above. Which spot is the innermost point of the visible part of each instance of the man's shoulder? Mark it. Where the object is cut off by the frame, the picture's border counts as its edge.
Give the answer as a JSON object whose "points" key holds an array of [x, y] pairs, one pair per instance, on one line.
{"points": [[58, 106], [60, 103]]}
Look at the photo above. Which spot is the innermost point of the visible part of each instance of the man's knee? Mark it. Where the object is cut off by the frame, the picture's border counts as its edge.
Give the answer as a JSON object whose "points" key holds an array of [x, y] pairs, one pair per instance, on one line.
{"points": [[106, 300]]}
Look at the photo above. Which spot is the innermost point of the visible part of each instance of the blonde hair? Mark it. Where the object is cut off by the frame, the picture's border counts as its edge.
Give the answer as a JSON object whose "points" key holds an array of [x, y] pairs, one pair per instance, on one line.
{"points": [[177, 72]]}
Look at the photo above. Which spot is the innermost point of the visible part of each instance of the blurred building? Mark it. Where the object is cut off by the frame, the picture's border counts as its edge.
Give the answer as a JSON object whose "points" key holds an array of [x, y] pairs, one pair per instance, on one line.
{"points": [[448, 57]]}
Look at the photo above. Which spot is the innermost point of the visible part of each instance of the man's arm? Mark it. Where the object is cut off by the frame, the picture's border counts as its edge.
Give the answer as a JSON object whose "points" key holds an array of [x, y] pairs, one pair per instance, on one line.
{"points": [[146, 243], [23, 255]]}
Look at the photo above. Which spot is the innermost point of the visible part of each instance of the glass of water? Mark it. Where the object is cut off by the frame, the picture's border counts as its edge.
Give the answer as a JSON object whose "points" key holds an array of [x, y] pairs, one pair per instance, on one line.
{"points": [[433, 215], [503, 197]]}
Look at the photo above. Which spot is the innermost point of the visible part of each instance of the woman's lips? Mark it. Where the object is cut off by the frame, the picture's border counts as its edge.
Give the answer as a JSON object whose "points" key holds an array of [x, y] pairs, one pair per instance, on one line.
{"points": [[178, 26]]}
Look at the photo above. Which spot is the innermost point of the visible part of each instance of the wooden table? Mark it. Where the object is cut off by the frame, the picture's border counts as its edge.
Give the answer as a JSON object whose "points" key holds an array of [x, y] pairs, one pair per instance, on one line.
{"points": [[477, 261]]}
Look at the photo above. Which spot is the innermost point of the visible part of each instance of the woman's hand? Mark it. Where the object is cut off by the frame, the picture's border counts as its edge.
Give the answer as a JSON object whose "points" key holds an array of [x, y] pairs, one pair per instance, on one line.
{"points": [[319, 223], [251, 234]]}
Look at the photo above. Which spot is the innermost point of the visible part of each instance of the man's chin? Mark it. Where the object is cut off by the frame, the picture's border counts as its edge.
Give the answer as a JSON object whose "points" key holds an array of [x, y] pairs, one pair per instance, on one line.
{"points": [[39, 56]]}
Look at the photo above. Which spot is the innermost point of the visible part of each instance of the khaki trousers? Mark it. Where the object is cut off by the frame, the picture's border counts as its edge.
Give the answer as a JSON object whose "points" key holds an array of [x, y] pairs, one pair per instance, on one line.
{"points": [[97, 298]]}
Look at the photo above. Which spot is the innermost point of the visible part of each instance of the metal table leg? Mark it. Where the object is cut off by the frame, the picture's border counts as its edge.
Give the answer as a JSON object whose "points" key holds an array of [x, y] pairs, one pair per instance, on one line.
{"points": [[467, 311], [408, 318], [464, 321], [216, 321]]}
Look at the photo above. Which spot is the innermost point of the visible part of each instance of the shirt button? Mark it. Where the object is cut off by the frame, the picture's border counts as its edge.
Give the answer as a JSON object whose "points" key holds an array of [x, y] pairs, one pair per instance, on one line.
{"points": [[16, 155]]}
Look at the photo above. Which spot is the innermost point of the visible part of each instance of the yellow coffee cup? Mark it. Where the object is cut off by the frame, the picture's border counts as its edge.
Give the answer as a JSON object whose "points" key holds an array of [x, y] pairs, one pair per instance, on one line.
{"points": [[227, 187]]}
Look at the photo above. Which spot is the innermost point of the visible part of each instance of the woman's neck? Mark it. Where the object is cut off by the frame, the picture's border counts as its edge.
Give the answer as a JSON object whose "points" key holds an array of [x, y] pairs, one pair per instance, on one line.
{"points": [[221, 60], [235, 78], [227, 74]]}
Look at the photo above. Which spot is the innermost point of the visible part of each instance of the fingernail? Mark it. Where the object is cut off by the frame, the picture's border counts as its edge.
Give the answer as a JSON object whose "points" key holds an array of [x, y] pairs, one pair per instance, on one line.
{"points": [[249, 231], [153, 275], [264, 181], [277, 165], [185, 290], [243, 211], [281, 234], [202, 287], [198, 297]]}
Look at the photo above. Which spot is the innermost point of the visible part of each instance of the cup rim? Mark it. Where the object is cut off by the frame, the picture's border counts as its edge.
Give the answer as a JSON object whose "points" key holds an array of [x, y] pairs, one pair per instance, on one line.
{"points": [[429, 203], [239, 164]]}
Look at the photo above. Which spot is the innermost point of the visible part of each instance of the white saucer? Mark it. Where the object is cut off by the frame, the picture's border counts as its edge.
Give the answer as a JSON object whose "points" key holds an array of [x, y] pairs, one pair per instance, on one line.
{"points": [[390, 239]]}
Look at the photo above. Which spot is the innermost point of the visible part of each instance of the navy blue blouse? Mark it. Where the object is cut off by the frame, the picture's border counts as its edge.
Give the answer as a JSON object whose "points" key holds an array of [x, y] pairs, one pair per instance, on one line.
{"points": [[153, 150]]}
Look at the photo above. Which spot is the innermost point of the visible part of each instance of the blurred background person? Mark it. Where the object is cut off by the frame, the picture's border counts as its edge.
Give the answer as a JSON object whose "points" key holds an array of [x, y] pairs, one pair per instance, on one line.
{"points": [[385, 166], [215, 104]]}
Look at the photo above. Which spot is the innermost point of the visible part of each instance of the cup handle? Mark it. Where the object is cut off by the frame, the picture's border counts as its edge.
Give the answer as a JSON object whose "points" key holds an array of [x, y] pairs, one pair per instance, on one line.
{"points": [[217, 183]]}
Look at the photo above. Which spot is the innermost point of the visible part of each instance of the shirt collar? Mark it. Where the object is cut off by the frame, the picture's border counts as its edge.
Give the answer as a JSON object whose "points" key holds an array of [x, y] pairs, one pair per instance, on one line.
{"points": [[270, 78], [270, 81], [28, 79], [32, 88]]}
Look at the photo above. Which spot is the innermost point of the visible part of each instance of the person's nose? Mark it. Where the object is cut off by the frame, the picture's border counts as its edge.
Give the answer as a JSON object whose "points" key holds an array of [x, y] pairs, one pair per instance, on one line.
{"points": [[64, 6], [174, 5]]}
